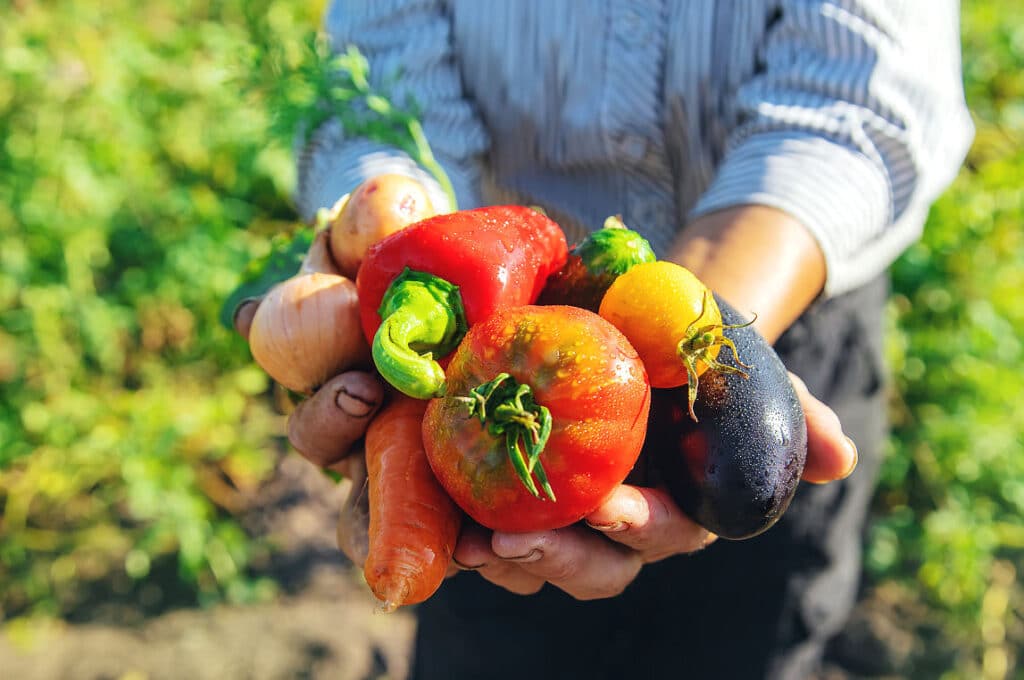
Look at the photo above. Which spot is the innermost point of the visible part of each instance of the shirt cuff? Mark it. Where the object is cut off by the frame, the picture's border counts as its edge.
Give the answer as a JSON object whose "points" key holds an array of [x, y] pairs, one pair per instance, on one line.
{"points": [[837, 193], [331, 166]]}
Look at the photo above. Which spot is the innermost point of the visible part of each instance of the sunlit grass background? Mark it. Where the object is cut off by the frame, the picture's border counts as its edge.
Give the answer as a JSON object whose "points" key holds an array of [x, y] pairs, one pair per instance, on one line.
{"points": [[140, 172]]}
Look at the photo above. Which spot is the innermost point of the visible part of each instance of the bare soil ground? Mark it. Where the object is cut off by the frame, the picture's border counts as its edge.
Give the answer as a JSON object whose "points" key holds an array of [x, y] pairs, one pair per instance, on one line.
{"points": [[329, 631], [323, 624]]}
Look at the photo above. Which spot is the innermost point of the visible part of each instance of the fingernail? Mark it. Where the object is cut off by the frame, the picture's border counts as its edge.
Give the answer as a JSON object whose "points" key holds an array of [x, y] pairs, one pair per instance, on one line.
{"points": [[466, 567], [853, 466], [244, 327], [243, 303], [610, 528], [355, 405], [531, 556]]}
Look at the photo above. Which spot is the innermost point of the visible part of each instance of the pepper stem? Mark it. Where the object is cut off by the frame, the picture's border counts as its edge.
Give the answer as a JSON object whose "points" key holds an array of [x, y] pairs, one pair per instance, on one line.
{"points": [[696, 346], [422, 318], [508, 410]]}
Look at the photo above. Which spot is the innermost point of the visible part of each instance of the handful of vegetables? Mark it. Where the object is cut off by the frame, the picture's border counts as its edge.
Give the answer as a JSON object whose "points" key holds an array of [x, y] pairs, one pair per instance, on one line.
{"points": [[523, 375]]}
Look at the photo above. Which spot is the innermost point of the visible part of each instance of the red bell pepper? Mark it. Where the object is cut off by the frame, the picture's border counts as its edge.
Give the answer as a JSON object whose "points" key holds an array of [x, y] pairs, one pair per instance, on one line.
{"points": [[422, 287]]}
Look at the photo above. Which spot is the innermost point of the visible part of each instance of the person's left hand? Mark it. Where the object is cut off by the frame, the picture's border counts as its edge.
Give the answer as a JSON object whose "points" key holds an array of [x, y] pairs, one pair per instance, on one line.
{"points": [[635, 526]]}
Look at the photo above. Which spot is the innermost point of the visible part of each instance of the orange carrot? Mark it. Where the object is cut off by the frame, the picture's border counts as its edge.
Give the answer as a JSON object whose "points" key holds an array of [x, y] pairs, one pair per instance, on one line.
{"points": [[413, 523]]}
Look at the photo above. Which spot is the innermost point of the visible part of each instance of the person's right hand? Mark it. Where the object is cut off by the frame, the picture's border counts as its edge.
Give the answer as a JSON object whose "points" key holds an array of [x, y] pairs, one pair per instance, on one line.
{"points": [[325, 427]]}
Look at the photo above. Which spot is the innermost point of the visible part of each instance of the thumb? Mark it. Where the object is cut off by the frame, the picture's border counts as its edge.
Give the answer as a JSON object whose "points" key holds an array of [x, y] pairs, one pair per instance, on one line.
{"points": [[831, 455], [354, 520], [324, 427], [244, 314]]}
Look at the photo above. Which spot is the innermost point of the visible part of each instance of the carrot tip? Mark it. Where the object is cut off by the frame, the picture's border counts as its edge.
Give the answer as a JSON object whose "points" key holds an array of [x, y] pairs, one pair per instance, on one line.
{"points": [[392, 594]]}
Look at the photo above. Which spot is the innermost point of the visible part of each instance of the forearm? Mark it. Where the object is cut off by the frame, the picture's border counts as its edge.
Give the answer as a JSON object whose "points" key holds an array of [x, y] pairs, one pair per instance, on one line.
{"points": [[411, 38], [758, 258]]}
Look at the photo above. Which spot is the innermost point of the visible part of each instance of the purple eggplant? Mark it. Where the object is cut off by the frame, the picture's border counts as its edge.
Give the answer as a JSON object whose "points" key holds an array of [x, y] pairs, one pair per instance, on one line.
{"points": [[735, 469]]}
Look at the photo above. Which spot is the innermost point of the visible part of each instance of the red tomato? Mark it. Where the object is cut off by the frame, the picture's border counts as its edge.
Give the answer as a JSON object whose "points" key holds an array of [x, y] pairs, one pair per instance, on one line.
{"points": [[564, 360]]}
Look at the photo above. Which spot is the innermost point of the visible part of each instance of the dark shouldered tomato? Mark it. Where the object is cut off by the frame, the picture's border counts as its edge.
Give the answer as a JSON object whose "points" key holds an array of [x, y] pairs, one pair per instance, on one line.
{"points": [[544, 414]]}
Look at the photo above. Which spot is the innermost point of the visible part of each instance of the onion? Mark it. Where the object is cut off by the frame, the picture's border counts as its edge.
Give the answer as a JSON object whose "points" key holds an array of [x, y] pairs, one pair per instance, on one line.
{"points": [[306, 331]]}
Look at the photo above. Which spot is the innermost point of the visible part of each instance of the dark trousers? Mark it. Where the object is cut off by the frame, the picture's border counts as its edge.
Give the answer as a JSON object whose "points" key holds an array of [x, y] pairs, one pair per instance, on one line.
{"points": [[760, 608]]}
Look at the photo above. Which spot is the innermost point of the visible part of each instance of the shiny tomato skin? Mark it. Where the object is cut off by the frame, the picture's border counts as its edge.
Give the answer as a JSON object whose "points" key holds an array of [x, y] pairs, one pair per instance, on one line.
{"points": [[590, 378], [654, 305]]}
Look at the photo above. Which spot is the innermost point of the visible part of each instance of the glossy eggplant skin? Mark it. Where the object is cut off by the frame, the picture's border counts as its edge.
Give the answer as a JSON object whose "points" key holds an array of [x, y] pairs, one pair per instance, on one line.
{"points": [[736, 469]]}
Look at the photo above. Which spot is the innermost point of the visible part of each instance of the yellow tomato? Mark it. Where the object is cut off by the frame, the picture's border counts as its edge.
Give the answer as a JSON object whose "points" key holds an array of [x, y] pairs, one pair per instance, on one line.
{"points": [[662, 308]]}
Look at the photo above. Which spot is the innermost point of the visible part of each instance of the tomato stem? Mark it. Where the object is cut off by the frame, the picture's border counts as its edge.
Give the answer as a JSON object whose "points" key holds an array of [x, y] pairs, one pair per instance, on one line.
{"points": [[508, 410], [422, 317], [696, 346]]}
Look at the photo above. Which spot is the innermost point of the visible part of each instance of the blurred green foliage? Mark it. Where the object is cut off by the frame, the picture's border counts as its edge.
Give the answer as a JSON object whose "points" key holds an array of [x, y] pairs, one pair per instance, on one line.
{"points": [[141, 171], [137, 180], [950, 507]]}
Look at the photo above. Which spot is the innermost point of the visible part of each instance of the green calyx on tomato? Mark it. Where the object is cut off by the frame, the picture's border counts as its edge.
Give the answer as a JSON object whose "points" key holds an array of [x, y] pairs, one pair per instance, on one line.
{"points": [[613, 249], [582, 371], [697, 344], [594, 264], [508, 409], [422, 318]]}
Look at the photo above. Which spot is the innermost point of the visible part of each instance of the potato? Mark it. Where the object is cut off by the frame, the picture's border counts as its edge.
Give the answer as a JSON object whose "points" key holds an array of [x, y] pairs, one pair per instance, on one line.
{"points": [[376, 208]]}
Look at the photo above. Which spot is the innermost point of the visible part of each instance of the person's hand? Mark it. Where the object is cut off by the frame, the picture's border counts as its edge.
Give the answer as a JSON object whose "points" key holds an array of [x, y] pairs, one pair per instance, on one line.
{"points": [[353, 531], [831, 455], [325, 427], [637, 525]]}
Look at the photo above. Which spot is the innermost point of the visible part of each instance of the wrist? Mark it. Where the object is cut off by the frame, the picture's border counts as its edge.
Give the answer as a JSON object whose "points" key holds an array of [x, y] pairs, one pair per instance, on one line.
{"points": [[760, 259]]}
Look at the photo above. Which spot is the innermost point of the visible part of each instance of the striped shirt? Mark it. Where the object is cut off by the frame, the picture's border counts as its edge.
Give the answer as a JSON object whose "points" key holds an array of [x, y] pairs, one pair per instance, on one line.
{"points": [[849, 115]]}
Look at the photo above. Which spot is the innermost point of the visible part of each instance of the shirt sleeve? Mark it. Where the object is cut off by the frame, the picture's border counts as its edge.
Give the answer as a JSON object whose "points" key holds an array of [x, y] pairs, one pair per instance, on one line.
{"points": [[409, 49], [854, 126]]}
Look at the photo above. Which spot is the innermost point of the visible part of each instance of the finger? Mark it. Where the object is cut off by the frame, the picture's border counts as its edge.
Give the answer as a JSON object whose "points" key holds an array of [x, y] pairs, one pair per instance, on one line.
{"points": [[473, 549], [512, 578], [474, 553], [648, 521], [831, 455], [579, 561], [244, 313], [342, 467], [318, 258], [353, 531], [324, 427]]}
